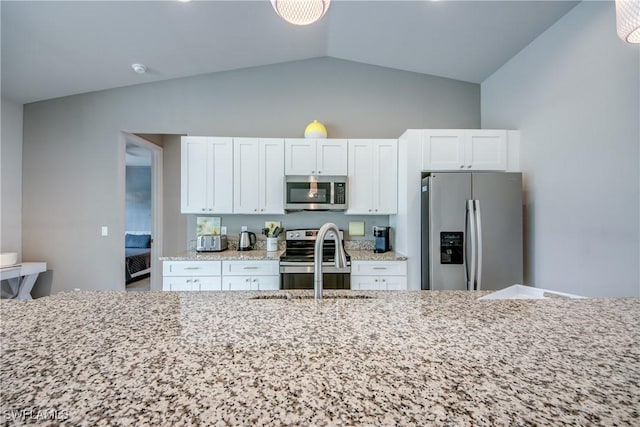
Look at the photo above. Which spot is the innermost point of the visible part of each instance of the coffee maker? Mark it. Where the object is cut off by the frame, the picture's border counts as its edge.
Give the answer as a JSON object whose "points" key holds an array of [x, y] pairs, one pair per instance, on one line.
{"points": [[381, 237]]}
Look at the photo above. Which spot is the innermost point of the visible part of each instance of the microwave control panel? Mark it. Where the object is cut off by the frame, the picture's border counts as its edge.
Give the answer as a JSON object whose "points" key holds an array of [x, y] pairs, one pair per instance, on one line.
{"points": [[340, 189]]}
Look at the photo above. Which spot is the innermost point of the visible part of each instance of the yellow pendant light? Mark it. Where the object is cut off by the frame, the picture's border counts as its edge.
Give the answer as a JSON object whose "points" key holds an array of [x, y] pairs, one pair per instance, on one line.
{"points": [[315, 129], [628, 20], [301, 12]]}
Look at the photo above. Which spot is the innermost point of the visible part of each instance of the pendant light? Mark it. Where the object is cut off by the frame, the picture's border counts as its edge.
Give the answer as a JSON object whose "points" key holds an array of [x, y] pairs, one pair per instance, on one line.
{"points": [[628, 20], [301, 12]]}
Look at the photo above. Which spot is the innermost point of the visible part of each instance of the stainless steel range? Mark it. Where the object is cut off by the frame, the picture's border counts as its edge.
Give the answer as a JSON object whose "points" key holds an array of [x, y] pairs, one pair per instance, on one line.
{"points": [[296, 264]]}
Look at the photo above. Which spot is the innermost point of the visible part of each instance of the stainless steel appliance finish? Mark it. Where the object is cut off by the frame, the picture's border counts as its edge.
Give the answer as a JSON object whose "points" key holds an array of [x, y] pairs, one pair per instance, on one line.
{"points": [[381, 238], [471, 230], [315, 193], [339, 255], [297, 266], [247, 241], [211, 243]]}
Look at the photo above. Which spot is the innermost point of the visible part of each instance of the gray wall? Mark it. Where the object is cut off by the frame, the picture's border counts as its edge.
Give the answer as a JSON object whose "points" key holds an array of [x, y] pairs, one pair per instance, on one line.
{"points": [[11, 178], [73, 160], [574, 95]]}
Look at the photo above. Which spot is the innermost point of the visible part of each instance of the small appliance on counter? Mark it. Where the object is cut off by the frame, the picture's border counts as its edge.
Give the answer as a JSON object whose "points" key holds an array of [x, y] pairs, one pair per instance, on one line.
{"points": [[211, 243], [381, 237], [247, 241]]}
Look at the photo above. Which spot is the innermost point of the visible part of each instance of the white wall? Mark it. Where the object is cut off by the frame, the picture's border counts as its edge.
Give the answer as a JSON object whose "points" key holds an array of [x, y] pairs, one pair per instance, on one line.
{"points": [[11, 178], [72, 183], [574, 94]]}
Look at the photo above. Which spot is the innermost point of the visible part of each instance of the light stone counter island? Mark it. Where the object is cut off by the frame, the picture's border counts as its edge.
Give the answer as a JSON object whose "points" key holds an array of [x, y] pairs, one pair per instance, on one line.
{"points": [[396, 358]]}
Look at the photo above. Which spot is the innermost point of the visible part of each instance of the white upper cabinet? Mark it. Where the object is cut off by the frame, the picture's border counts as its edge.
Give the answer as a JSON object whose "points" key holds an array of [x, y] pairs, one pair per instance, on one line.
{"points": [[258, 175], [373, 176], [206, 172], [315, 156], [455, 150]]}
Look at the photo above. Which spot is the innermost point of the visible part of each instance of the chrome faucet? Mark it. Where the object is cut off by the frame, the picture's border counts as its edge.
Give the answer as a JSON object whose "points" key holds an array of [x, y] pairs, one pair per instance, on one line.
{"points": [[340, 257]]}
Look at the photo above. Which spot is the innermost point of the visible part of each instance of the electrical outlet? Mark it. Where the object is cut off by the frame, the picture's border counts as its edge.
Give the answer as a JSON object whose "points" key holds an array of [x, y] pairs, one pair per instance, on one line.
{"points": [[243, 228], [105, 230]]}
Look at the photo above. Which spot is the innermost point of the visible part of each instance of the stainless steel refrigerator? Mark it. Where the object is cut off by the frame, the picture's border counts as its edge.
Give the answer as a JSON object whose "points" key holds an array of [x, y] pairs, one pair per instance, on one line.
{"points": [[471, 230]]}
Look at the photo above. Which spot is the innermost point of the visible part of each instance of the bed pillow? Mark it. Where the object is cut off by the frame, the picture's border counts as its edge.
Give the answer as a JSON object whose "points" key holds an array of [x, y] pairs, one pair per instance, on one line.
{"points": [[137, 240]]}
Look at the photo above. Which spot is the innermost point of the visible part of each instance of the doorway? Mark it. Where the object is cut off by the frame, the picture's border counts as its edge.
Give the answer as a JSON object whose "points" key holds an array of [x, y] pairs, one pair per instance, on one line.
{"points": [[143, 219]]}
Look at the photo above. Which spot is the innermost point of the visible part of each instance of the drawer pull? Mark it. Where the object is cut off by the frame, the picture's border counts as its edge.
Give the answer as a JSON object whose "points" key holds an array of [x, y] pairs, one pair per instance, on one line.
{"points": [[379, 268], [251, 268], [192, 268]]}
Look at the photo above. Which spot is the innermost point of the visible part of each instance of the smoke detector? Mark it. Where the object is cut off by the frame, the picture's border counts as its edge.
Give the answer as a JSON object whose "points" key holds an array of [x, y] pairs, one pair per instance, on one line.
{"points": [[139, 68]]}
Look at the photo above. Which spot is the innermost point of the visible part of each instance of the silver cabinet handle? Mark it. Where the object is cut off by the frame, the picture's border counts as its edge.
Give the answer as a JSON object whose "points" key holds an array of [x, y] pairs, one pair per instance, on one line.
{"points": [[250, 268], [192, 268], [379, 268], [479, 225]]}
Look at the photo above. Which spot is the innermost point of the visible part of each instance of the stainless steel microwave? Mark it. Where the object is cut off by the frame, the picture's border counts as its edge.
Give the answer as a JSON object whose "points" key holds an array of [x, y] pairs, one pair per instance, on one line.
{"points": [[315, 193]]}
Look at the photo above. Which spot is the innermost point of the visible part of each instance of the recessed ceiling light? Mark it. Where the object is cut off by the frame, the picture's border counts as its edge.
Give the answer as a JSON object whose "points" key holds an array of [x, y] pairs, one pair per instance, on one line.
{"points": [[139, 68]]}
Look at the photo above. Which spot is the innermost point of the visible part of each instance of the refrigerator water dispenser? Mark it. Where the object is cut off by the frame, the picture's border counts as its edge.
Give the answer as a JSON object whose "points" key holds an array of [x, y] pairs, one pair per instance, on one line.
{"points": [[451, 247]]}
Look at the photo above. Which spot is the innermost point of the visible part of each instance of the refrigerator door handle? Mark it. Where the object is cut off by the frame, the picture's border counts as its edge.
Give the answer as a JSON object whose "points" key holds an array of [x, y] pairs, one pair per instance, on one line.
{"points": [[472, 233], [479, 251], [465, 261]]}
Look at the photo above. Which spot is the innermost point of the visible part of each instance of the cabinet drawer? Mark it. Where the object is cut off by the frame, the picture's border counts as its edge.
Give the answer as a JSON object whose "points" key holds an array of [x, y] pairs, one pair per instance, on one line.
{"points": [[191, 268], [379, 268], [250, 268]]}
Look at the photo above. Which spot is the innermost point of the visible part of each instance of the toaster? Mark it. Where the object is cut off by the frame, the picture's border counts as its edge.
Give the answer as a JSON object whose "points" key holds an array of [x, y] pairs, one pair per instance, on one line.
{"points": [[211, 243]]}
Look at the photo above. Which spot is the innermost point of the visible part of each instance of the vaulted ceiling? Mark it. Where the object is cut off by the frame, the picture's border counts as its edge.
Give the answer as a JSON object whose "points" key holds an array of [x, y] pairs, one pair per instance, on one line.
{"points": [[52, 49]]}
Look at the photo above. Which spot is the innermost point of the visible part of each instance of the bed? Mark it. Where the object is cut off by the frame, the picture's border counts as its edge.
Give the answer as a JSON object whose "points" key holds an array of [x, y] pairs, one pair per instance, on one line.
{"points": [[137, 253]]}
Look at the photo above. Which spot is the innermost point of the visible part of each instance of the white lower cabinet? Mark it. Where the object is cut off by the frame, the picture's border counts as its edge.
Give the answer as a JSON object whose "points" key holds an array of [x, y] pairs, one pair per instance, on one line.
{"points": [[191, 276], [379, 275], [250, 275]]}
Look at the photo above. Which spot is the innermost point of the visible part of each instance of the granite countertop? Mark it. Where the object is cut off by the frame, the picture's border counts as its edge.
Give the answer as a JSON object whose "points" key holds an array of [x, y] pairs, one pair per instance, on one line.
{"points": [[356, 255], [229, 254], [398, 358]]}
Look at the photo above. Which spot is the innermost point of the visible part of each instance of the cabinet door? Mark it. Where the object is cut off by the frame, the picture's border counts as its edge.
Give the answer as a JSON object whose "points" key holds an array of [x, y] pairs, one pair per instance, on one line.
{"points": [[486, 150], [239, 283], [220, 175], [331, 156], [177, 283], [246, 178], [300, 156], [208, 283], [385, 177], [206, 169], [443, 150], [365, 283], [361, 175], [193, 171], [394, 283], [268, 283], [271, 180]]}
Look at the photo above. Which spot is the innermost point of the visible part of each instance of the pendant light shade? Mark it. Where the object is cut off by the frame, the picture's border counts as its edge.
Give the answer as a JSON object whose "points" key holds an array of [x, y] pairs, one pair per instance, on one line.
{"points": [[628, 20], [301, 12]]}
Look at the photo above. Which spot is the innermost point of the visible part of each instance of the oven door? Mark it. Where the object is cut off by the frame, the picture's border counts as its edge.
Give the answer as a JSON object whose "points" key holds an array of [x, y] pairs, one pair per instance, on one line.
{"points": [[301, 277]]}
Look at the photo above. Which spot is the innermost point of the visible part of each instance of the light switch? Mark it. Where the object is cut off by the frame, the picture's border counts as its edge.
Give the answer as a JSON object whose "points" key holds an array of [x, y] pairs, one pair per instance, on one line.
{"points": [[105, 230]]}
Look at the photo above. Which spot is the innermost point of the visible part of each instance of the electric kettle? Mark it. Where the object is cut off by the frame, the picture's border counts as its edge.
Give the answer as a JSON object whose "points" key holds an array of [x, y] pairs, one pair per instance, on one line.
{"points": [[247, 241]]}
